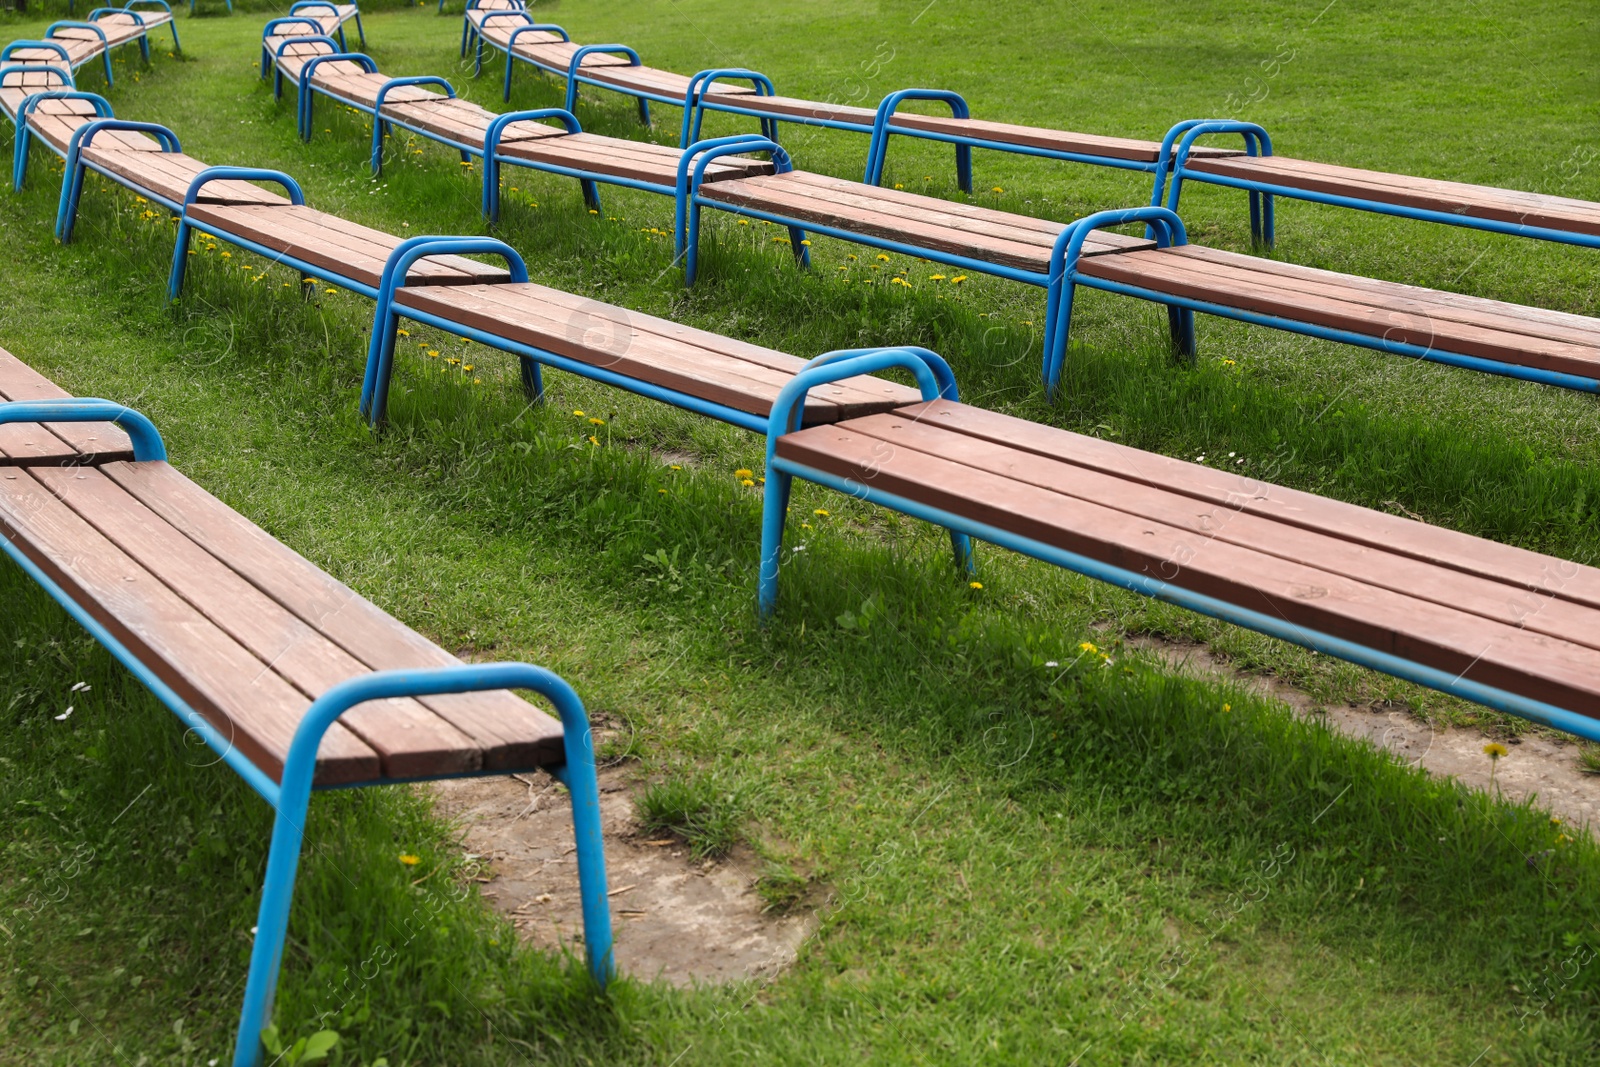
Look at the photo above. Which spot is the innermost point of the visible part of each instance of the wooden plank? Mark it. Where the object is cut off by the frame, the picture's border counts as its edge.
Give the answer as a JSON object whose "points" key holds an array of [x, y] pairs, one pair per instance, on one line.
{"points": [[1181, 276], [63, 442], [412, 741], [247, 702], [512, 733], [619, 158], [612, 345], [582, 316], [1540, 577], [1518, 660], [1371, 565], [169, 174], [334, 245], [1476, 201]]}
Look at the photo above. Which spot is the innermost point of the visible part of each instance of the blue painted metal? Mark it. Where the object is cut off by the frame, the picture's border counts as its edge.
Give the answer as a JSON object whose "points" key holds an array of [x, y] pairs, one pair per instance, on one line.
{"points": [[147, 444], [1168, 231], [511, 45], [878, 150], [283, 45], [519, 13], [699, 156], [268, 53], [72, 174], [380, 351], [21, 46], [933, 377], [164, 6], [180, 252], [141, 38], [380, 125], [294, 797], [313, 5], [24, 133], [1172, 161], [700, 84], [308, 98], [105, 47], [492, 160], [1271, 625], [64, 73]]}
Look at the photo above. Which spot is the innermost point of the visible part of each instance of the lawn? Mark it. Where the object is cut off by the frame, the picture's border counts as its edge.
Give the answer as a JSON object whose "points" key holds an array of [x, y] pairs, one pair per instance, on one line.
{"points": [[1022, 849]]}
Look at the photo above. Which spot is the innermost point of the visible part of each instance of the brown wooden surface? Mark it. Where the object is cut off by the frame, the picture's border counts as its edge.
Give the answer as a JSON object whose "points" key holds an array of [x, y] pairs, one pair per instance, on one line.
{"points": [[1435, 615], [335, 245], [509, 732], [1527, 571], [1456, 198], [705, 365], [1490, 330], [941, 225], [169, 174], [52, 443], [620, 158]]}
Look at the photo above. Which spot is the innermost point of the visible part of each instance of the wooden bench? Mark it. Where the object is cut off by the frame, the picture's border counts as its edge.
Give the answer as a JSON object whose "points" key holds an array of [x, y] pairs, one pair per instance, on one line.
{"points": [[293, 679], [1501, 626], [1264, 176], [72, 43], [428, 106], [733, 381], [1550, 347]]}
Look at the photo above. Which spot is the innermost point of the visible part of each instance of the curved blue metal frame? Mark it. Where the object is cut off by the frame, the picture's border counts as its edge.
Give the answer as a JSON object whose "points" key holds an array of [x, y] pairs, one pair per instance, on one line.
{"points": [[514, 13], [180, 251], [24, 133], [492, 159], [700, 83], [72, 174], [333, 9], [269, 54], [691, 174], [172, 23], [147, 443], [380, 125], [68, 83], [105, 47], [380, 350], [1173, 160], [469, 28], [308, 98], [878, 150]]}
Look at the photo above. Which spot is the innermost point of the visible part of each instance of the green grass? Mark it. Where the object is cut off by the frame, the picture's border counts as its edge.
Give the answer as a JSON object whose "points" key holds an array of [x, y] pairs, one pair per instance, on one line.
{"points": [[1014, 861]]}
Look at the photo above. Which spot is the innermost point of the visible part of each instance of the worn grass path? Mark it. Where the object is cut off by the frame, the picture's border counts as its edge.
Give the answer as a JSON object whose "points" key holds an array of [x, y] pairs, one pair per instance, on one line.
{"points": [[1024, 850]]}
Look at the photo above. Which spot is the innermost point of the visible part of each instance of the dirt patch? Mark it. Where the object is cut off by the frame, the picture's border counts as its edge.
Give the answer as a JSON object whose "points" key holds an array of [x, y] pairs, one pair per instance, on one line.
{"points": [[675, 918], [1533, 766]]}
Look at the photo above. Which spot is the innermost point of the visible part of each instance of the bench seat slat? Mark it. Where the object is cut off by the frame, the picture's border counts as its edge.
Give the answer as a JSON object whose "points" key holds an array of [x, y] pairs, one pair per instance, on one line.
{"points": [[1396, 320], [65, 442], [733, 373], [1531, 577], [612, 156], [335, 245], [1516, 659], [247, 702], [510, 732], [412, 741]]}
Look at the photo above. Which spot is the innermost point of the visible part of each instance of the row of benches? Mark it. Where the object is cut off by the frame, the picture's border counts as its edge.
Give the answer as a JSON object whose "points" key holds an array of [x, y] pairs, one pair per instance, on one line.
{"points": [[1544, 346], [1510, 628], [73, 43], [506, 26]]}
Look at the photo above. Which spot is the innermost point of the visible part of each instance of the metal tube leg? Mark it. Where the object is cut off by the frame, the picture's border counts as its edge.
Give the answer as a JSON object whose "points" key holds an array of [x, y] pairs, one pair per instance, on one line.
{"points": [[106, 59], [67, 210], [361, 34], [1182, 331], [380, 359], [19, 155], [584, 788], [272, 924], [797, 238], [644, 111], [1255, 218], [380, 129], [591, 193], [1056, 354], [533, 381], [691, 245], [477, 62], [964, 167], [176, 45], [180, 263], [1267, 222], [505, 90], [774, 509], [962, 545], [277, 85]]}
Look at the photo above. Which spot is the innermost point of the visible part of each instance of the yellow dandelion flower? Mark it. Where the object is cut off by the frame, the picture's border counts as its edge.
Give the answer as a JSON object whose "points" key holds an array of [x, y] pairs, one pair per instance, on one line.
{"points": [[882, 258], [433, 353], [578, 413], [593, 440], [409, 860], [850, 255], [1088, 647], [676, 467], [330, 291], [1494, 750], [743, 473], [897, 185], [821, 511], [403, 333], [225, 255], [936, 277], [744, 222], [663, 492], [747, 483], [805, 526], [805, 244], [997, 189], [592, 211], [974, 585], [466, 366], [597, 422]]}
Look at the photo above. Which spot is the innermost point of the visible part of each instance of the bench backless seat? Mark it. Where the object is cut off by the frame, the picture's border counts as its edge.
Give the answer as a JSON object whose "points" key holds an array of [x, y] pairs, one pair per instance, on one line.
{"points": [[294, 680]]}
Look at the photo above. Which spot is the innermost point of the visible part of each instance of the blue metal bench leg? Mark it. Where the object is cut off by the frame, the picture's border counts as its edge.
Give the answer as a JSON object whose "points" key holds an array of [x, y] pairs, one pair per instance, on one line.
{"points": [[1057, 331], [67, 208], [19, 155], [505, 90], [797, 241], [644, 111], [964, 167], [532, 379], [180, 262], [591, 193], [272, 924], [774, 509], [1180, 321], [466, 24], [380, 130], [361, 34]]}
